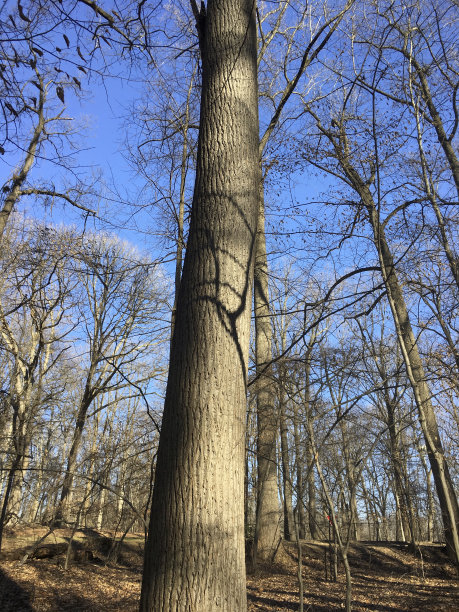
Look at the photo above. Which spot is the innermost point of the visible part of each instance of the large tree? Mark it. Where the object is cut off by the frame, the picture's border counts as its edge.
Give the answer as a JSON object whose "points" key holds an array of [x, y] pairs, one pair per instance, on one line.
{"points": [[195, 551]]}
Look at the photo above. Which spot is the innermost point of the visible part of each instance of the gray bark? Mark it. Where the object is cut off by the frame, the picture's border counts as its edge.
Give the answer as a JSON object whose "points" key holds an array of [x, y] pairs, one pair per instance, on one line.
{"points": [[194, 559]]}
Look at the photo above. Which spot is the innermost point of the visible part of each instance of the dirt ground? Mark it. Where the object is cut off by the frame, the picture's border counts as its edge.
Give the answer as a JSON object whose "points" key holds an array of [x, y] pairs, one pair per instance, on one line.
{"points": [[386, 577]]}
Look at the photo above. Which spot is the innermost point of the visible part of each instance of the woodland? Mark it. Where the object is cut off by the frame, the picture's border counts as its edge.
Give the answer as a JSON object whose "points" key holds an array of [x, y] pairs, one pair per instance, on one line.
{"points": [[230, 381]]}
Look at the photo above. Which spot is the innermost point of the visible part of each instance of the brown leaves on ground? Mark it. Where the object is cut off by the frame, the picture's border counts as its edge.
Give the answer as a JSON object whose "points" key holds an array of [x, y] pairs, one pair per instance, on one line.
{"points": [[87, 585], [48, 587], [386, 577]]}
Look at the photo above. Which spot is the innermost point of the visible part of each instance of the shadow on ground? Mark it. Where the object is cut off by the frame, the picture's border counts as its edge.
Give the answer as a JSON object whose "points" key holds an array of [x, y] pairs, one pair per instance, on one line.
{"points": [[13, 598]]}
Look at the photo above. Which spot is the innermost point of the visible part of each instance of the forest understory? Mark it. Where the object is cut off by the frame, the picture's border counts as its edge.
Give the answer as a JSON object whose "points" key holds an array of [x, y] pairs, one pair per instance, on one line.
{"points": [[386, 576]]}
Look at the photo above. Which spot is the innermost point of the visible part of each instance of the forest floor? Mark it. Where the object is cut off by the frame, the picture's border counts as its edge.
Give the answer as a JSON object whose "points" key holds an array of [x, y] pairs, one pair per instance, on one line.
{"points": [[386, 576]]}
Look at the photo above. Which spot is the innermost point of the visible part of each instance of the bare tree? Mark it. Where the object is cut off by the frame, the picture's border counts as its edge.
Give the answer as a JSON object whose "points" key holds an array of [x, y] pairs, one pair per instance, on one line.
{"points": [[344, 152], [36, 291], [120, 303]]}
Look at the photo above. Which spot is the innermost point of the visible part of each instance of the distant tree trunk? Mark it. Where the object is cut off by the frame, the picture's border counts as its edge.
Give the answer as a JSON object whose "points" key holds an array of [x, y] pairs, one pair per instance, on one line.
{"points": [[42, 454], [267, 525], [353, 512], [312, 501], [312, 495], [351, 477], [408, 345], [445, 489], [250, 476], [401, 494], [12, 493], [299, 467], [63, 508], [289, 523], [89, 477], [430, 494], [194, 558], [181, 211], [101, 504], [342, 545]]}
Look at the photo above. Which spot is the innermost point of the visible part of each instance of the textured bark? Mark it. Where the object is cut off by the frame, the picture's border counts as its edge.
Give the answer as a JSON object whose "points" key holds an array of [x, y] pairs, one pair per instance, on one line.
{"points": [[26, 378], [267, 525], [194, 559]]}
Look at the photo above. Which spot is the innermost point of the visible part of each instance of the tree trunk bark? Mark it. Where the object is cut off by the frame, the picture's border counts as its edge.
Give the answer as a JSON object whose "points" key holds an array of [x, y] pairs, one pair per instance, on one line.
{"points": [[194, 559], [312, 497], [267, 525]]}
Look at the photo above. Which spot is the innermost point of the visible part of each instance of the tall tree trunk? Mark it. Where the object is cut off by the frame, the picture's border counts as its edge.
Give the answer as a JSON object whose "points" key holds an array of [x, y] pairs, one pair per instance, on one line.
{"points": [[409, 348], [354, 531], [89, 484], [267, 525], [443, 483], [194, 558], [42, 454], [250, 474], [17, 505], [289, 523]]}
